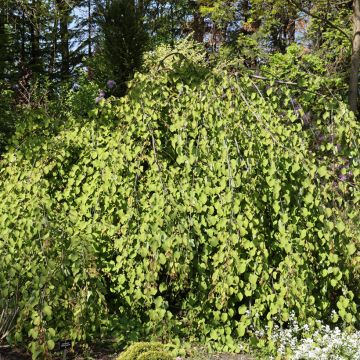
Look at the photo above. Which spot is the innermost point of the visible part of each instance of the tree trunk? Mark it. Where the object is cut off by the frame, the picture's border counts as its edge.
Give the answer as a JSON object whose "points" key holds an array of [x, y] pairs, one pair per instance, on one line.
{"points": [[89, 29], [35, 51], [142, 7], [3, 47], [64, 46], [64, 14], [355, 58], [198, 24], [23, 44], [35, 61], [54, 38]]}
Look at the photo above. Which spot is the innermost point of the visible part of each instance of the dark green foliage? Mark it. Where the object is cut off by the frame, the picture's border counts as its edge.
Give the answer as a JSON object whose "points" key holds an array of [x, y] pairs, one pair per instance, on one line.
{"points": [[8, 117], [124, 41], [3, 43]]}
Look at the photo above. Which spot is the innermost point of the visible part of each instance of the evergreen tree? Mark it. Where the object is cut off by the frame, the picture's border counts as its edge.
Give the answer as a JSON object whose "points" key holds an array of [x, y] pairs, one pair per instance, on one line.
{"points": [[3, 42], [124, 41]]}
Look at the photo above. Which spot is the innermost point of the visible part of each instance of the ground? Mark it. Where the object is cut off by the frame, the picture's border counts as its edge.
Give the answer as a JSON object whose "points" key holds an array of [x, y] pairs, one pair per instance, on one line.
{"points": [[16, 354]]}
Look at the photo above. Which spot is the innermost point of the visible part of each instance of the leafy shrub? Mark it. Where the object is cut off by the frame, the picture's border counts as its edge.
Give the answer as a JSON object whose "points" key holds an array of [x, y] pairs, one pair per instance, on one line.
{"points": [[155, 355], [146, 351], [200, 207]]}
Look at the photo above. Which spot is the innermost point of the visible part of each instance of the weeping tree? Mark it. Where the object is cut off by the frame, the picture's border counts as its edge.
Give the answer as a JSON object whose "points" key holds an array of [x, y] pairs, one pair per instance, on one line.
{"points": [[124, 41]]}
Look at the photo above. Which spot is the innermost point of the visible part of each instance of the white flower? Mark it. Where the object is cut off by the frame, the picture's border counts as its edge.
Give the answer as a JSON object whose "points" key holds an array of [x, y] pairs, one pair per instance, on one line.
{"points": [[324, 343]]}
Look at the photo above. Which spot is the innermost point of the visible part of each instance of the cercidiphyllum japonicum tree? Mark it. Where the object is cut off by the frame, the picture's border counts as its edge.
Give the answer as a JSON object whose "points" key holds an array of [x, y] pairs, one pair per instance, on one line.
{"points": [[197, 207]]}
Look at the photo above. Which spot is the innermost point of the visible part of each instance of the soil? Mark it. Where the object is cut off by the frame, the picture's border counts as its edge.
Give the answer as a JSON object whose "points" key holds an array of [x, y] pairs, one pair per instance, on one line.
{"points": [[12, 354]]}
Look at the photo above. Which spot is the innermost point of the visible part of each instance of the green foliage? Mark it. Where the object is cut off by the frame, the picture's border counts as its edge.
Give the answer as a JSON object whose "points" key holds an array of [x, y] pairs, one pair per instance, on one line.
{"points": [[308, 72], [220, 11], [202, 206], [80, 100], [331, 38], [155, 355], [146, 351]]}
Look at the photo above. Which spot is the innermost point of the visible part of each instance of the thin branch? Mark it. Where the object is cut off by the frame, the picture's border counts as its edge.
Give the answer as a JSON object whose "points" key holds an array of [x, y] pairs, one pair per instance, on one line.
{"points": [[277, 81], [340, 3], [283, 82]]}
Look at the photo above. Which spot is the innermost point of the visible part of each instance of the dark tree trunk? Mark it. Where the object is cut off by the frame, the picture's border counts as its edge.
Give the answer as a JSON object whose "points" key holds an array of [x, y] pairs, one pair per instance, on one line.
{"points": [[245, 7], [141, 7], [23, 43], [35, 51], [89, 29], [355, 58], [64, 46], [198, 24], [54, 39], [3, 44], [64, 15]]}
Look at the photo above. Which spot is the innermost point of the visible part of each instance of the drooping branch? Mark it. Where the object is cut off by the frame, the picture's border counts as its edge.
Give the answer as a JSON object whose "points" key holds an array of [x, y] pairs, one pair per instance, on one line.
{"points": [[285, 82]]}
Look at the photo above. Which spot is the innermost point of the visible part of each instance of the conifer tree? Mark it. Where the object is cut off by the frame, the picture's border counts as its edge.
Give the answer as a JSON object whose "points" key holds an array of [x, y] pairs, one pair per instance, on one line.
{"points": [[124, 41]]}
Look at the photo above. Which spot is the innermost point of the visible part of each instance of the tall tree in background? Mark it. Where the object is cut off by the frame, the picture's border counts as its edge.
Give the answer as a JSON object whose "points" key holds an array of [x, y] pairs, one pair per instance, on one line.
{"points": [[125, 40], [165, 21], [12, 40], [327, 14], [52, 37], [84, 28], [53, 42], [89, 27], [355, 58], [3, 41], [34, 18], [63, 11]]}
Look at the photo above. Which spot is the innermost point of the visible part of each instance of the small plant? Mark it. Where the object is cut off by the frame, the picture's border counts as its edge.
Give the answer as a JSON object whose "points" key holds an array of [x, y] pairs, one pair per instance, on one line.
{"points": [[155, 355], [146, 351]]}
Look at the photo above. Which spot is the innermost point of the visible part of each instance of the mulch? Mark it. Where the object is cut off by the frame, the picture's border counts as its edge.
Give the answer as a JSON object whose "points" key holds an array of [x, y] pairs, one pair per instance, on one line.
{"points": [[7, 353]]}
